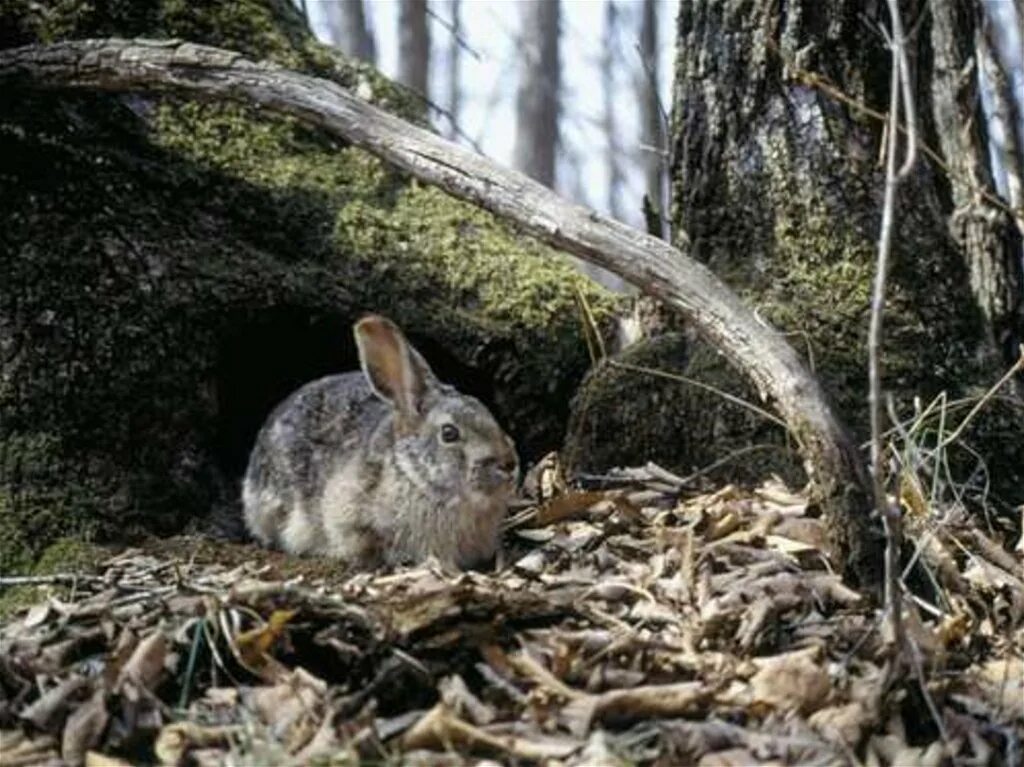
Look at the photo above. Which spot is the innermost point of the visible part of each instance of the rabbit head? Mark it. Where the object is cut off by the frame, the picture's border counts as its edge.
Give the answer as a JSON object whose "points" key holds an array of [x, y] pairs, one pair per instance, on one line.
{"points": [[445, 444]]}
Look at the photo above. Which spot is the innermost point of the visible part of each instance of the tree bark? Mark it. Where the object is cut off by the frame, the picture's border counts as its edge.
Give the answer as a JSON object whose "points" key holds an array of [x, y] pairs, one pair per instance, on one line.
{"points": [[763, 355], [980, 228], [537, 99], [777, 183], [414, 46]]}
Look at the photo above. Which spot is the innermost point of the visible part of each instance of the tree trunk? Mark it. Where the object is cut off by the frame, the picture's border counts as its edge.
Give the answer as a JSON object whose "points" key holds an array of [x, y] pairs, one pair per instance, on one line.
{"points": [[777, 183], [613, 147], [538, 96], [983, 232], [652, 126], [347, 29], [414, 46], [647, 262], [455, 70]]}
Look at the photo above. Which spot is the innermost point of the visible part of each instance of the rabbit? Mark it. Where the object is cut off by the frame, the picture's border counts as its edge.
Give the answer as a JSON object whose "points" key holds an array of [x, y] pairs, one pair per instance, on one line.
{"points": [[381, 467]]}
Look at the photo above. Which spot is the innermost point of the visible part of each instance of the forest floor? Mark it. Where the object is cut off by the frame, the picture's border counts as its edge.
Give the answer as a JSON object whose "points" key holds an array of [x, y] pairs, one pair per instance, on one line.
{"points": [[624, 626]]}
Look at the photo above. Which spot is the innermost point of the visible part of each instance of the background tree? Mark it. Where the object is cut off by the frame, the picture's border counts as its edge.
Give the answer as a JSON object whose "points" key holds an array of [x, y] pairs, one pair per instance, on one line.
{"points": [[454, 69], [652, 136], [609, 88], [347, 29], [537, 98], [414, 46]]}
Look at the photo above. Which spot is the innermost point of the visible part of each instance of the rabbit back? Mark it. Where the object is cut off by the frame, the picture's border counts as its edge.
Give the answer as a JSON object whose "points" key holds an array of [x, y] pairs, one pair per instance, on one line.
{"points": [[316, 435]]}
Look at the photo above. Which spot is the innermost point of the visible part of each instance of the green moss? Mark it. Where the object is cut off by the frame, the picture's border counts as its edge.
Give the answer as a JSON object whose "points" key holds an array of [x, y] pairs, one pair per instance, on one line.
{"points": [[69, 555], [15, 553], [65, 556]]}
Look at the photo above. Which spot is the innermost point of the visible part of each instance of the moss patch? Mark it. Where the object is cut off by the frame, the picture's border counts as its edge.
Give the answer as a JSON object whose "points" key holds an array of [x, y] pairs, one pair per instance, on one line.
{"points": [[65, 556]]}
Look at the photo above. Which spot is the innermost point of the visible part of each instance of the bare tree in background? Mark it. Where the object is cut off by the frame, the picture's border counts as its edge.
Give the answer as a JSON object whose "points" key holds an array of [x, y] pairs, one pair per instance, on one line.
{"points": [[347, 29], [454, 83], [609, 49], [414, 46], [652, 128], [537, 100]]}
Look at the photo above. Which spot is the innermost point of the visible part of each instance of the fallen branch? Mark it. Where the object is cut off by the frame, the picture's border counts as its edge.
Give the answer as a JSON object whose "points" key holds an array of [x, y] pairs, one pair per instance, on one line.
{"points": [[652, 265]]}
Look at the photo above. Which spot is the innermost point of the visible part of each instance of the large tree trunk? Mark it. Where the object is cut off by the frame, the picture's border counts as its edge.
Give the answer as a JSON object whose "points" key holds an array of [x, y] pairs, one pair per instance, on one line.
{"points": [[537, 99], [647, 262], [778, 185]]}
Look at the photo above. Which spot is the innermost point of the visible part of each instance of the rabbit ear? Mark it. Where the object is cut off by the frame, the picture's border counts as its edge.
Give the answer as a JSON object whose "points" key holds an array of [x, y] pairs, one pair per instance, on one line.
{"points": [[396, 372]]}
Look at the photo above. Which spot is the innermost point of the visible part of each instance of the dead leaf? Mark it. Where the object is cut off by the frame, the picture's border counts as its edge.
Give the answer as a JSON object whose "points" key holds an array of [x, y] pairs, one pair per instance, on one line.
{"points": [[19, 750], [96, 759], [568, 505], [439, 728], [145, 666], [252, 648], [178, 738], [84, 728], [621, 706], [48, 711], [791, 682]]}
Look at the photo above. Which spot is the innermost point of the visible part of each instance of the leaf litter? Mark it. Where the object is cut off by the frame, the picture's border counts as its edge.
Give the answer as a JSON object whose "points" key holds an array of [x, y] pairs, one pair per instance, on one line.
{"points": [[624, 626]]}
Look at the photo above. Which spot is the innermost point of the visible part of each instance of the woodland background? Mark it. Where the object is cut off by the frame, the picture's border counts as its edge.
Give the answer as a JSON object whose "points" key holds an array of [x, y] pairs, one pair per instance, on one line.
{"points": [[174, 264]]}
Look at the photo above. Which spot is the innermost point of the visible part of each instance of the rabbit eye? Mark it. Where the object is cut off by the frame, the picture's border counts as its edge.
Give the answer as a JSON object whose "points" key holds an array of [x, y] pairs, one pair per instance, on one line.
{"points": [[449, 433]]}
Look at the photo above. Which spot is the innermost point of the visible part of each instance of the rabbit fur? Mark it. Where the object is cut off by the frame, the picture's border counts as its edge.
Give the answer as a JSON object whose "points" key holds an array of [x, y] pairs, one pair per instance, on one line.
{"points": [[381, 467]]}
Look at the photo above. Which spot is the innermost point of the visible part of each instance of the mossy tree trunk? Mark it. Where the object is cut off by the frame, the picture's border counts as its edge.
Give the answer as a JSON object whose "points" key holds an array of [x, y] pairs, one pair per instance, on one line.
{"points": [[778, 184], [170, 269]]}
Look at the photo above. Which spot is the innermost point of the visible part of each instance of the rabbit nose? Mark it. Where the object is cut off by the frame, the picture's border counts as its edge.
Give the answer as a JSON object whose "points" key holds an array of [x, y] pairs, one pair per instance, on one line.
{"points": [[505, 466]]}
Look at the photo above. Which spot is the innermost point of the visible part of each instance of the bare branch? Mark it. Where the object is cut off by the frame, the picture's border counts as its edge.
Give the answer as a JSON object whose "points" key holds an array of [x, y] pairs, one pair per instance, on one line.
{"points": [[899, 85]]}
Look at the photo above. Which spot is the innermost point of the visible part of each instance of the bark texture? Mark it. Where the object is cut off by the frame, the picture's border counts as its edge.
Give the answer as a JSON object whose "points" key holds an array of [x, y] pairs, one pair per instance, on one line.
{"points": [[777, 183], [169, 269], [645, 261]]}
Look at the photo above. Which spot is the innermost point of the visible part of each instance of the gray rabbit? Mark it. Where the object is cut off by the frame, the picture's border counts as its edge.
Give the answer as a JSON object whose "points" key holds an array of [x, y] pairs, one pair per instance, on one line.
{"points": [[383, 466]]}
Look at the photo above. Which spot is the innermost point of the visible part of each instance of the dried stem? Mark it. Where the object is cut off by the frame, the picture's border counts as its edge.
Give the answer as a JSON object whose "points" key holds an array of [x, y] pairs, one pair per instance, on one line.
{"points": [[899, 85]]}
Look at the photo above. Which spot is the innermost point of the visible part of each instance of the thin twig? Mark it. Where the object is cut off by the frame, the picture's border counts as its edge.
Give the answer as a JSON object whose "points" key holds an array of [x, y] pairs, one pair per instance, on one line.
{"points": [[70, 579], [1007, 376], [701, 385], [889, 512], [462, 42]]}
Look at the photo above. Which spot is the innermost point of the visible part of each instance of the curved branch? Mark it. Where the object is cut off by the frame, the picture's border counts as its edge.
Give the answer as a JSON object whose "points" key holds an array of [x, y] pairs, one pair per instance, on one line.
{"points": [[650, 264]]}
